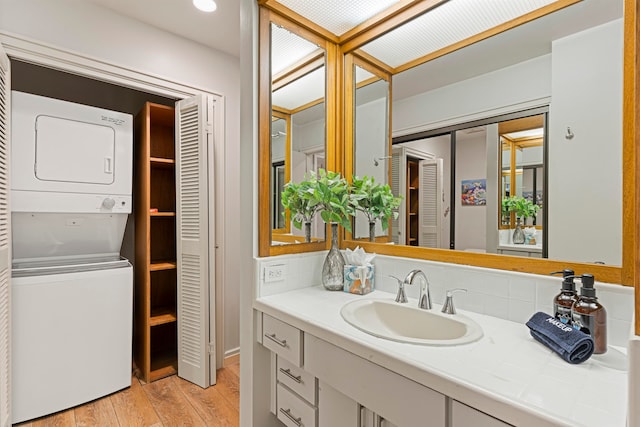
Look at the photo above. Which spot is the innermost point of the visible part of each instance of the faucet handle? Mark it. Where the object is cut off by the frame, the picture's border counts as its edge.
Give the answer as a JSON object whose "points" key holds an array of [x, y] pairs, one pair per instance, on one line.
{"points": [[448, 307], [401, 297]]}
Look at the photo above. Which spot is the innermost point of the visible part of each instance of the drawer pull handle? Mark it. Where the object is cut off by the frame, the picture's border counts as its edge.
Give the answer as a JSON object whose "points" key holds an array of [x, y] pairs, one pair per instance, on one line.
{"points": [[288, 373], [287, 413], [272, 337]]}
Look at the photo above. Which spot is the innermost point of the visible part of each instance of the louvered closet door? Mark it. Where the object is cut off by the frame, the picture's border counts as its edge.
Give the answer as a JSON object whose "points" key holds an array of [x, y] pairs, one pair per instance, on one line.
{"points": [[5, 245], [193, 148], [398, 182], [431, 195]]}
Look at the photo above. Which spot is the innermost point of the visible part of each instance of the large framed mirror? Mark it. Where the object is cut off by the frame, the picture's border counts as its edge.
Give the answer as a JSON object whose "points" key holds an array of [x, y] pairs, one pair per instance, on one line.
{"points": [[576, 127], [294, 126], [521, 68]]}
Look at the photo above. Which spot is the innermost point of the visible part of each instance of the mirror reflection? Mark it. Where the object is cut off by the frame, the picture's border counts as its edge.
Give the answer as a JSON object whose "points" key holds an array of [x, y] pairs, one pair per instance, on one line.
{"points": [[449, 111], [371, 139], [521, 186], [298, 130], [280, 175]]}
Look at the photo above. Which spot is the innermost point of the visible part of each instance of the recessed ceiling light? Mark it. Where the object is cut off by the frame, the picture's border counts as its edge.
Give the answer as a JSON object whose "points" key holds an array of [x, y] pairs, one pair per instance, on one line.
{"points": [[205, 5]]}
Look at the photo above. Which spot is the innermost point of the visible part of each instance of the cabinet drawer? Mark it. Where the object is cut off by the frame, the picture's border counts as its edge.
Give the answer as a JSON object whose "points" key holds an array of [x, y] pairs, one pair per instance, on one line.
{"points": [[293, 411], [282, 339], [297, 379]]}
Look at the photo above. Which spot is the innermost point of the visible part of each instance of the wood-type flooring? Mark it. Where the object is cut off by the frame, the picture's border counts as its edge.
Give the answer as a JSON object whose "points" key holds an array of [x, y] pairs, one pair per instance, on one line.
{"points": [[169, 402]]}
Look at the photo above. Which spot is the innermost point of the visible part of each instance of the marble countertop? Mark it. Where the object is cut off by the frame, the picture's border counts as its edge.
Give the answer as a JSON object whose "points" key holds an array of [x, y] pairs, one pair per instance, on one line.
{"points": [[506, 373]]}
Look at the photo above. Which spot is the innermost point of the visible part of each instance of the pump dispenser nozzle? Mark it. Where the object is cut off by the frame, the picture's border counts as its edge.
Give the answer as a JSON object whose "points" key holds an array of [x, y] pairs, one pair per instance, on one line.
{"points": [[587, 289], [563, 302], [567, 279]]}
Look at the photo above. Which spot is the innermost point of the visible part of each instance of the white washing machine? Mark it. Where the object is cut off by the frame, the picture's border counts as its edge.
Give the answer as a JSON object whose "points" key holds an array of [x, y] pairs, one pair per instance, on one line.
{"points": [[71, 291]]}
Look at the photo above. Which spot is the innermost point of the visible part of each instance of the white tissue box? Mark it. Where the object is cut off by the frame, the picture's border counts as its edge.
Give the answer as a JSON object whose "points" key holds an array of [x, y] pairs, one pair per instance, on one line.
{"points": [[358, 279]]}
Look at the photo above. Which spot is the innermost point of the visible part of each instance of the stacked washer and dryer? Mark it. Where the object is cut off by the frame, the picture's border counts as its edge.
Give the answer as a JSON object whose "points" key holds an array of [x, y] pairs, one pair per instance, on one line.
{"points": [[71, 173]]}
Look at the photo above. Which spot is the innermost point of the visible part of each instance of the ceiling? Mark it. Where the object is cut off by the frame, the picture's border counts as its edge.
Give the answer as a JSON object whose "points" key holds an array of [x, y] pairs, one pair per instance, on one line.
{"points": [[218, 30]]}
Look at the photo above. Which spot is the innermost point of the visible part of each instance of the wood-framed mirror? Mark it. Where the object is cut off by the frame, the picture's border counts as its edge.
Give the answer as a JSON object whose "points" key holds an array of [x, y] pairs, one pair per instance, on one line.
{"points": [[563, 255], [295, 124], [382, 23]]}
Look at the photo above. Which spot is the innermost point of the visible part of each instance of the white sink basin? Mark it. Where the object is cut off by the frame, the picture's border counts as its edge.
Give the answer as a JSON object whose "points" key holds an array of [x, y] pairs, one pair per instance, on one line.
{"points": [[404, 323]]}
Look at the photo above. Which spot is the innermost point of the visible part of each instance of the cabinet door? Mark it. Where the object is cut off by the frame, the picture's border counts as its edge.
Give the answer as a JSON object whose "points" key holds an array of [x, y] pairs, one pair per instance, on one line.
{"points": [[465, 416], [195, 263], [431, 196], [368, 418], [5, 245], [335, 408], [372, 385]]}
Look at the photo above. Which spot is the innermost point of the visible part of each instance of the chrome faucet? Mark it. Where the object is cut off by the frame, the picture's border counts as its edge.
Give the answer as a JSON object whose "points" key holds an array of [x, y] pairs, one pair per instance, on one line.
{"points": [[448, 307], [424, 301], [401, 297]]}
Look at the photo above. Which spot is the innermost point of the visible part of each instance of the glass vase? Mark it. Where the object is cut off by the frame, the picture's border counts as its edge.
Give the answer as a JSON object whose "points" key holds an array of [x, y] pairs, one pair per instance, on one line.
{"points": [[372, 231], [307, 232], [333, 268], [518, 234]]}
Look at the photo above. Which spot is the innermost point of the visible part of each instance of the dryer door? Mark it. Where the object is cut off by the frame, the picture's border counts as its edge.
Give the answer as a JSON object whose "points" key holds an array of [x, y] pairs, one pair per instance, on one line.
{"points": [[74, 151]]}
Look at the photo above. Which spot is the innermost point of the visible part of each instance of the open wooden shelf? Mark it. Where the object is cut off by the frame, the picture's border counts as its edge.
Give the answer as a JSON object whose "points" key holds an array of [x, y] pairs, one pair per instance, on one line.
{"points": [[161, 214], [161, 162], [157, 266], [164, 371], [160, 316], [413, 203], [155, 320]]}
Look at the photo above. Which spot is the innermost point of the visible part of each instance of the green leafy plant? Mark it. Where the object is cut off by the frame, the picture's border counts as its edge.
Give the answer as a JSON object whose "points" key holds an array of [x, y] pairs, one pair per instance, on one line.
{"points": [[374, 200], [523, 208], [332, 194], [325, 192], [297, 198]]}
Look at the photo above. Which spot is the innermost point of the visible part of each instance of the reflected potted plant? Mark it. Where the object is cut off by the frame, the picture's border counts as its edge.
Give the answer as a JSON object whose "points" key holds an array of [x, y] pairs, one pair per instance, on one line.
{"points": [[328, 193], [375, 201], [523, 208], [298, 198]]}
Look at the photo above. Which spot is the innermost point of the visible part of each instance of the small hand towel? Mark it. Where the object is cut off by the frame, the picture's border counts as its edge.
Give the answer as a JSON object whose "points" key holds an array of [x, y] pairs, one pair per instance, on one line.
{"points": [[571, 344]]}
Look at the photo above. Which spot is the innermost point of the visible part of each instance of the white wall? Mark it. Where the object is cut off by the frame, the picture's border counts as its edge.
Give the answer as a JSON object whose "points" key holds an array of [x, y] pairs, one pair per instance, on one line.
{"points": [[371, 142], [103, 35], [587, 96], [309, 136], [471, 163], [509, 89]]}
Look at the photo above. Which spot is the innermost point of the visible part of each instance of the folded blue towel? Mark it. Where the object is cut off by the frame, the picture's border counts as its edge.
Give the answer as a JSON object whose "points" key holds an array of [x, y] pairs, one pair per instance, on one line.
{"points": [[571, 344]]}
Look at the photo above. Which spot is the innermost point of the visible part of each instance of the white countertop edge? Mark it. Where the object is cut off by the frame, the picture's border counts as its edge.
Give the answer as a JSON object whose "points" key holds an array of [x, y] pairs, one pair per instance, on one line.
{"points": [[363, 345], [522, 248]]}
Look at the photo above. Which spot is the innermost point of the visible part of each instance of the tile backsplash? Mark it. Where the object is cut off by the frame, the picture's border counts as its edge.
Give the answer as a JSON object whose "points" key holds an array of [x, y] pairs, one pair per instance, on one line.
{"points": [[507, 295]]}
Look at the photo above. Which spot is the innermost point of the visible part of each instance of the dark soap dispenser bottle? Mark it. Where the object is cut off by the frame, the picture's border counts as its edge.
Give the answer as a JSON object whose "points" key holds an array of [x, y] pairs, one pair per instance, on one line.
{"points": [[563, 302], [589, 315]]}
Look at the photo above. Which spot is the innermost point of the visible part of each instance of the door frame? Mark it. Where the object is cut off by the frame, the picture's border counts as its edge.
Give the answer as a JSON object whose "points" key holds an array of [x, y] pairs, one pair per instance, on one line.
{"points": [[38, 53]]}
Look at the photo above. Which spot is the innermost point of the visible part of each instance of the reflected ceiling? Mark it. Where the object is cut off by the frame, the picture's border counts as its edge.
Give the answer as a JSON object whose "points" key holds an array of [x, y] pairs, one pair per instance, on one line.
{"points": [[288, 49], [338, 16], [438, 29]]}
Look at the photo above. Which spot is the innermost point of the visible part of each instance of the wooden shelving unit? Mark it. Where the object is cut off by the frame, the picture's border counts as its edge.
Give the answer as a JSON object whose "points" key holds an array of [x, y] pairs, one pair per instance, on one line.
{"points": [[155, 319], [413, 202]]}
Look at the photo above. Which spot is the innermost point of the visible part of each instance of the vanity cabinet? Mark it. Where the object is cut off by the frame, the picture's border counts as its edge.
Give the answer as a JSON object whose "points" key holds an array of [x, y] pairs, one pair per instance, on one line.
{"points": [[318, 384]]}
